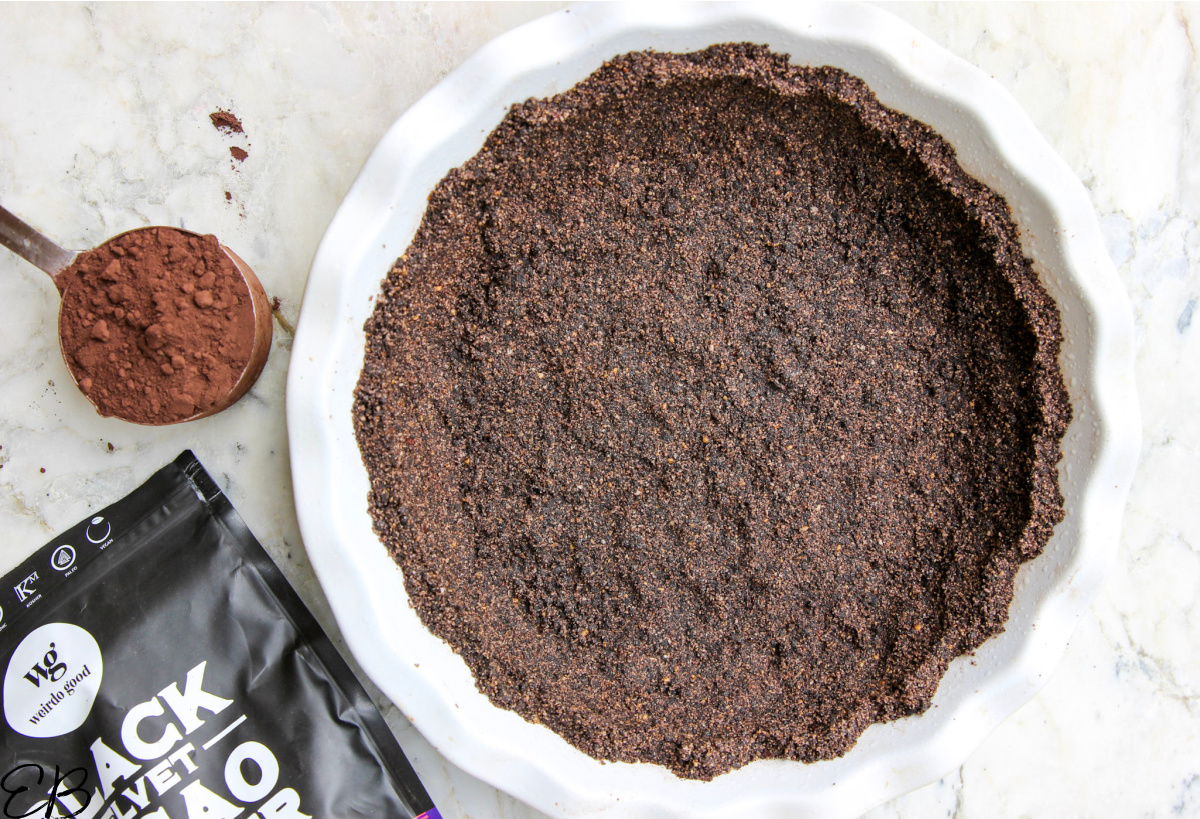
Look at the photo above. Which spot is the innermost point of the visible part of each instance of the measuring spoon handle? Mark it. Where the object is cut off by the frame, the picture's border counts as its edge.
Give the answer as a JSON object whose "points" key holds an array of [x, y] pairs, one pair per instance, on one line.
{"points": [[32, 246]]}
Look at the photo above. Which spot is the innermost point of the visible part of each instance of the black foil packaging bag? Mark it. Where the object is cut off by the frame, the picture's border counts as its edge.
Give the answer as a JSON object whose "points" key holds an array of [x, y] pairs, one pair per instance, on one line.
{"points": [[157, 664]]}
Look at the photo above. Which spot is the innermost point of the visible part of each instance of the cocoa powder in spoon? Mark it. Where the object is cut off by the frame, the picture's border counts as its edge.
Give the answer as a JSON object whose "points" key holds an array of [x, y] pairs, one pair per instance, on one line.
{"points": [[156, 325]]}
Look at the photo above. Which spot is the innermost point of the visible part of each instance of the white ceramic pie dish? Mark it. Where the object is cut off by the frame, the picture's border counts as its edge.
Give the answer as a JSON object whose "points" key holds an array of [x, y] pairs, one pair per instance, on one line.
{"points": [[995, 142]]}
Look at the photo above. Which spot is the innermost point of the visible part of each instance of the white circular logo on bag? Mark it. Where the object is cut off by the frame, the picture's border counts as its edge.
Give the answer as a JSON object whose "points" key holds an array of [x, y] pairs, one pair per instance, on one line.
{"points": [[52, 680], [98, 529], [62, 558]]}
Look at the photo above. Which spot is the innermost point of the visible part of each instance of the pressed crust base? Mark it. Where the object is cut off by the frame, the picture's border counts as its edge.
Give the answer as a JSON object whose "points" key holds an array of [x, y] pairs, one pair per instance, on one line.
{"points": [[712, 411]]}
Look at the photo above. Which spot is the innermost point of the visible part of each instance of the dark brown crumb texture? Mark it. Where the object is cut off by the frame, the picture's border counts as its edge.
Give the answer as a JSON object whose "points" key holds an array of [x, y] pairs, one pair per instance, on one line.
{"points": [[711, 411]]}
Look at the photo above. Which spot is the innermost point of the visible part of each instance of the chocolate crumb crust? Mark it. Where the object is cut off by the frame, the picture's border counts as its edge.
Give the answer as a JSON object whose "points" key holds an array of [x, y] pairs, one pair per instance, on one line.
{"points": [[712, 411]]}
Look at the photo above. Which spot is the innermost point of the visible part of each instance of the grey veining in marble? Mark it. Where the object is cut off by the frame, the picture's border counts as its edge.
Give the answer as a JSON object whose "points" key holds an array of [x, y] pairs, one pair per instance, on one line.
{"points": [[104, 127]]}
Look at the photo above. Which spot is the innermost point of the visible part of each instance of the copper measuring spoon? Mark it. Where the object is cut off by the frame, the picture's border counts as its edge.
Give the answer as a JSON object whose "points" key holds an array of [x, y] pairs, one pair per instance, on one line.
{"points": [[53, 260]]}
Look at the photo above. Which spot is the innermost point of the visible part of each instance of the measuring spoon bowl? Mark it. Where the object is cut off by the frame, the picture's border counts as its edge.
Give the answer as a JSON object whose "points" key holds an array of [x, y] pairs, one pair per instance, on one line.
{"points": [[57, 262]]}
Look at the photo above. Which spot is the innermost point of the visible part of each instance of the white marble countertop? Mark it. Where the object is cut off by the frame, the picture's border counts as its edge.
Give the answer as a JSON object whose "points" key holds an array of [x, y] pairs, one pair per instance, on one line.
{"points": [[104, 127]]}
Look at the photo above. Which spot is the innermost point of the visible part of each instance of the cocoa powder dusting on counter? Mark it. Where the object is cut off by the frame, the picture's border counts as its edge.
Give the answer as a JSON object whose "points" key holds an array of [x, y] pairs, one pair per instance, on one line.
{"points": [[156, 325], [712, 411], [226, 121]]}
